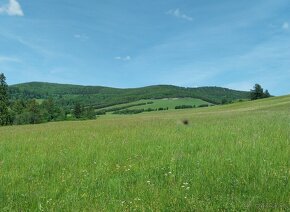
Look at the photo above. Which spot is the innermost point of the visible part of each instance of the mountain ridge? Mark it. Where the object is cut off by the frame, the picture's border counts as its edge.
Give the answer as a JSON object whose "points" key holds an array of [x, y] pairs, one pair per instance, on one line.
{"points": [[101, 96], [101, 86]]}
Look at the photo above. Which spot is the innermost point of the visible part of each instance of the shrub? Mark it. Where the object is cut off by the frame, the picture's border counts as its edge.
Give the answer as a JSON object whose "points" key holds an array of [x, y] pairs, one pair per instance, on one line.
{"points": [[101, 112], [135, 111], [203, 105], [183, 107]]}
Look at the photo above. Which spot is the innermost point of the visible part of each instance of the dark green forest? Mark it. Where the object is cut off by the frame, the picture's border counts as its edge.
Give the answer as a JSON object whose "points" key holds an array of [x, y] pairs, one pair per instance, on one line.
{"points": [[100, 97]]}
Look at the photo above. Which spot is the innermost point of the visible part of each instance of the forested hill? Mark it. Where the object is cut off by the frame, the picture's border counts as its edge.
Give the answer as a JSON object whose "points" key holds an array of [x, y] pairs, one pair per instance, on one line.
{"points": [[99, 96]]}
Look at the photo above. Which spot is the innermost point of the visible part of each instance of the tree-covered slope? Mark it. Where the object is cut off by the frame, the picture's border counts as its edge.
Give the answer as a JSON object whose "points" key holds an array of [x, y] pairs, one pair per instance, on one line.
{"points": [[99, 96]]}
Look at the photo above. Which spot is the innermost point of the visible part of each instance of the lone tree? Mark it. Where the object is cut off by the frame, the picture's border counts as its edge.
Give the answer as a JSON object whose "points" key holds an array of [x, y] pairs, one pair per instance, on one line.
{"points": [[258, 93], [4, 113]]}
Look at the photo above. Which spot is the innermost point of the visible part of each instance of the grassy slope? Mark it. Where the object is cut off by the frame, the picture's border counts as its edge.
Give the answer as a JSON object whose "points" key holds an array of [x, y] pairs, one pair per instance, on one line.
{"points": [[158, 103], [229, 157], [171, 103], [105, 96]]}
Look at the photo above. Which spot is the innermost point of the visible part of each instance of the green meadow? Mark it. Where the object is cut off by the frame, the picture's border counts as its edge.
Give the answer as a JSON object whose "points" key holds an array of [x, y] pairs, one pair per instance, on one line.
{"points": [[171, 103], [155, 104], [232, 157]]}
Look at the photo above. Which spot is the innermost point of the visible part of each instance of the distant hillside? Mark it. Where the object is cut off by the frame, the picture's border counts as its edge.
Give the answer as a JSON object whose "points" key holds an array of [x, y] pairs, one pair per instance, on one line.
{"points": [[99, 96]]}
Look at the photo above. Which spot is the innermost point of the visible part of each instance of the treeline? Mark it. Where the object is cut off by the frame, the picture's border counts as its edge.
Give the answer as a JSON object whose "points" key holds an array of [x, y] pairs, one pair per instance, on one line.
{"points": [[136, 111], [31, 111], [190, 106], [184, 107]]}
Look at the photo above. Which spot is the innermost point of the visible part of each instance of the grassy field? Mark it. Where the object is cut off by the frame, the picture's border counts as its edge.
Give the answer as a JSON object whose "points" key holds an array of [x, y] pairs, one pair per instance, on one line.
{"points": [[171, 103], [233, 157]]}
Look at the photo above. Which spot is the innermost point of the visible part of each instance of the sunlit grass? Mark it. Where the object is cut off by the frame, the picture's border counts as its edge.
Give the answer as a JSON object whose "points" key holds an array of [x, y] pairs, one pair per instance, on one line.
{"points": [[234, 157]]}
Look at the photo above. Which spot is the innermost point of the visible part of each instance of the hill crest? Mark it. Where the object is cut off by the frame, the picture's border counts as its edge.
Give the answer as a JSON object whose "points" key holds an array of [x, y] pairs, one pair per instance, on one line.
{"points": [[101, 96]]}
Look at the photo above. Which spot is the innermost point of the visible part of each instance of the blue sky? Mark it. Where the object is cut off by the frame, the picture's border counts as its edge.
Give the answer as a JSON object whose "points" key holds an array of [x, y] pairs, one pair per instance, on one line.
{"points": [[134, 43]]}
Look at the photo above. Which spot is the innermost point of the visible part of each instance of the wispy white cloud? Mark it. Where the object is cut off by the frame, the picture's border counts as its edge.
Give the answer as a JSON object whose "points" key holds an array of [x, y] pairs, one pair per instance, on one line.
{"points": [[285, 25], [126, 58], [81, 37], [12, 8], [178, 14], [8, 59], [37, 45]]}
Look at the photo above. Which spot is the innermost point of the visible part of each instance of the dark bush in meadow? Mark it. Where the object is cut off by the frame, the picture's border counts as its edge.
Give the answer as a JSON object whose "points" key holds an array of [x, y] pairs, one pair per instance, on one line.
{"points": [[101, 112], [149, 110], [127, 111], [183, 107], [203, 105]]}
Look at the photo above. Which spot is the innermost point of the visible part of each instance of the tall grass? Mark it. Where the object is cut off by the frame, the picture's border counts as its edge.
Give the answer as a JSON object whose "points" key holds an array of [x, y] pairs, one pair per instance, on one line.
{"points": [[228, 158]]}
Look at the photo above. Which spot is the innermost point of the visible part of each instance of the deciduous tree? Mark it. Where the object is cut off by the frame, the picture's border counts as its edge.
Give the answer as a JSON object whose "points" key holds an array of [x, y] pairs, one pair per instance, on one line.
{"points": [[257, 92]]}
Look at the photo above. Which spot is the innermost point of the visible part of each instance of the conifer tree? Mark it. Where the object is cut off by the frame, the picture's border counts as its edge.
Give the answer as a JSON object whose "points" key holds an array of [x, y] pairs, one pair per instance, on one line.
{"points": [[78, 110], [4, 113], [267, 94]]}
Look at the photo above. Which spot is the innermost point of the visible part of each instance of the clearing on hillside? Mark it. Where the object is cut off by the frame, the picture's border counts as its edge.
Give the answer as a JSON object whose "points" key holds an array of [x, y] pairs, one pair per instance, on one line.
{"points": [[155, 104]]}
